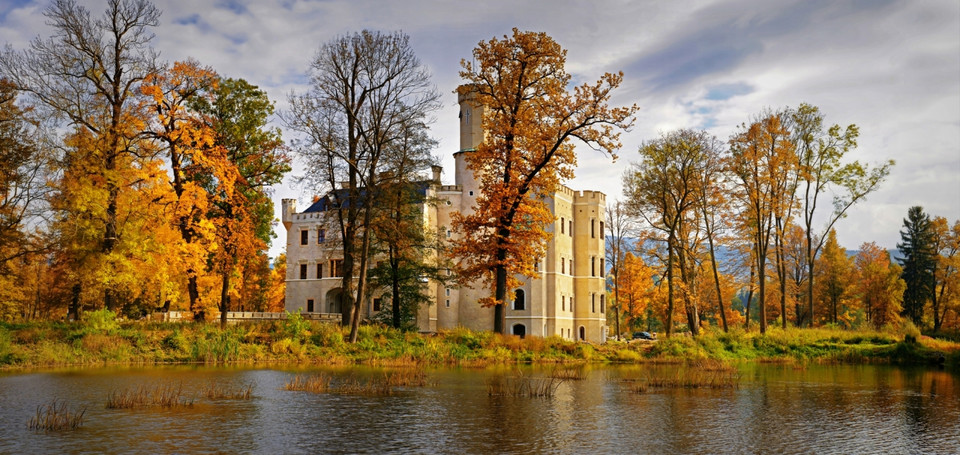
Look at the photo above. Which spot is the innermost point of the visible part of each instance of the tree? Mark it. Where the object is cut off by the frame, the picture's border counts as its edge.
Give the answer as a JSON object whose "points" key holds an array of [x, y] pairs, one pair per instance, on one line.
{"points": [[23, 172], [253, 158], [946, 245], [819, 159], [712, 201], [189, 145], [662, 190], [411, 248], [836, 273], [635, 282], [620, 230], [529, 119], [760, 157], [878, 285], [88, 73], [367, 88], [918, 261]]}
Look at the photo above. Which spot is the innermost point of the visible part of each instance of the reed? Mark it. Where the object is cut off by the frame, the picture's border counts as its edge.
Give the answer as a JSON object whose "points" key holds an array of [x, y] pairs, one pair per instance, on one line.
{"points": [[376, 386], [56, 416], [689, 379], [523, 386], [406, 378], [569, 373], [162, 395], [318, 383], [215, 391]]}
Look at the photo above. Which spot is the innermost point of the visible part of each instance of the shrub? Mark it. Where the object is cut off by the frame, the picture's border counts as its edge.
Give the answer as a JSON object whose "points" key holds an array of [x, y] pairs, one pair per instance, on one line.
{"points": [[295, 326], [103, 321]]}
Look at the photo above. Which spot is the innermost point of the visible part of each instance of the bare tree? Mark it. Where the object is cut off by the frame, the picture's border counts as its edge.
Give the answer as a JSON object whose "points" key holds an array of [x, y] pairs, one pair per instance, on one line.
{"points": [[88, 73], [366, 89], [621, 228]]}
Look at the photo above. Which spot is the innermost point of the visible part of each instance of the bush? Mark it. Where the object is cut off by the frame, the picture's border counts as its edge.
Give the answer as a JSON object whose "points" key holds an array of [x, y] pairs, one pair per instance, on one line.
{"points": [[911, 334], [102, 321], [295, 326]]}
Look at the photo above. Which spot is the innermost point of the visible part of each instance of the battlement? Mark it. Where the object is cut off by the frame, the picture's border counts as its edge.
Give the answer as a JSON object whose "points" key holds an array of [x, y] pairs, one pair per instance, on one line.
{"points": [[589, 194], [451, 188]]}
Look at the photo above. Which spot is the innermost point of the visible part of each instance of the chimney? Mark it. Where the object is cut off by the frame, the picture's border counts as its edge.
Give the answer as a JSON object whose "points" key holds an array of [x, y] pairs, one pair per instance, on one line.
{"points": [[436, 173], [288, 208]]}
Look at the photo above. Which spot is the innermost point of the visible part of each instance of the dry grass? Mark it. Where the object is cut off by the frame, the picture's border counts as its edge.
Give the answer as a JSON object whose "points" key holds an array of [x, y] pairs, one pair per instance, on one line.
{"points": [[162, 395], [56, 416], [689, 379], [215, 391], [711, 365], [569, 373], [318, 383], [354, 386], [406, 378], [523, 386]]}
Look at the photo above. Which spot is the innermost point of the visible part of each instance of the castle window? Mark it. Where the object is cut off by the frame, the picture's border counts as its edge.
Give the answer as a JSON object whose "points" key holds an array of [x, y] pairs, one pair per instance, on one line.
{"points": [[593, 303], [309, 305], [520, 330], [336, 268], [570, 231], [563, 265], [571, 303], [602, 303], [593, 266], [562, 223], [593, 228], [303, 271], [603, 270], [448, 303], [601, 230], [518, 303], [304, 236], [376, 304], [319, 271], [582, 333], [563, 303], [321, 235], [448, 292], [471, 193]]}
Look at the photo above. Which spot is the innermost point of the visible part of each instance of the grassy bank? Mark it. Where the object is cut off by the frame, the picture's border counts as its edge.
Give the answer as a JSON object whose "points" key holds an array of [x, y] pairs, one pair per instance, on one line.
{"points": [[100, 339]]}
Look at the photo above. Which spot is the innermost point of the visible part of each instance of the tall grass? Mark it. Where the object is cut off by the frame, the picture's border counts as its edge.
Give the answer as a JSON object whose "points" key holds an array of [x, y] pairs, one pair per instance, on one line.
{"points": [[56, 416], [214, 391], [318, 383], [522, 386], [162, 395]]}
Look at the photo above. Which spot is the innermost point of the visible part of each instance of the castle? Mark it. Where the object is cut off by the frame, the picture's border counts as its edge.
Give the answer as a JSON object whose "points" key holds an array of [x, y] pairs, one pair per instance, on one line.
{"points": [[568, 299]]}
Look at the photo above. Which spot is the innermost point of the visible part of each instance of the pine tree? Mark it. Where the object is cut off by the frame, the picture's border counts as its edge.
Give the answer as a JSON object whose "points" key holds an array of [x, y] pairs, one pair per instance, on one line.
{"points": [[917, 261]]}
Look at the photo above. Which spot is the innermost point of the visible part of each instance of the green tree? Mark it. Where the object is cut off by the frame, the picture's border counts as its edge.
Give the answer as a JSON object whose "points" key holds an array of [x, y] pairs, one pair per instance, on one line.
{"points": [[918, 261], [238, 113]]}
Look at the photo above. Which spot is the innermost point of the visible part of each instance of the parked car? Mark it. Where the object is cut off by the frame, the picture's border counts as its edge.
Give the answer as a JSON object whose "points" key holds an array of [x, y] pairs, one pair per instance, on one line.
{"points": [[644, 336]]}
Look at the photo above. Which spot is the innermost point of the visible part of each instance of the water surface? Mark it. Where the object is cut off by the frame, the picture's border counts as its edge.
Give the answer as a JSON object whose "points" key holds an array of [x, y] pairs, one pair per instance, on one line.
{"points": [[776, 409]]}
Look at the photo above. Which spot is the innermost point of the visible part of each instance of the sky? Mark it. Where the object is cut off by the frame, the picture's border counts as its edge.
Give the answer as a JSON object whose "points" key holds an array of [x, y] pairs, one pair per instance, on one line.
{"points": [[890, 67]]}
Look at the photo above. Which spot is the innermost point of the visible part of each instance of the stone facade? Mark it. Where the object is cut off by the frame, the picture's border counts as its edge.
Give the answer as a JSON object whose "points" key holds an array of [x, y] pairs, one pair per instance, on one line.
{"points": [[567, 300]]}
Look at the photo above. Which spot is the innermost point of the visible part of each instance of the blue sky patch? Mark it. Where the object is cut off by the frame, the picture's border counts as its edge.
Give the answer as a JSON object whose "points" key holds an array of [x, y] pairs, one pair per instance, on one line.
{"points": [[723, 92]]}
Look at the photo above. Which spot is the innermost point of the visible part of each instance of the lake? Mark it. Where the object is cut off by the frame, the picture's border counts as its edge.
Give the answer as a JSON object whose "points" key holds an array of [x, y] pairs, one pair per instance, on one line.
{"points": [[775, 409]]}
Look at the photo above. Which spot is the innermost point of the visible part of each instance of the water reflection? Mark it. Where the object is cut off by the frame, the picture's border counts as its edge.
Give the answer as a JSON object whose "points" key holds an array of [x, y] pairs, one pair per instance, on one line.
{"points": [[776, 409]]}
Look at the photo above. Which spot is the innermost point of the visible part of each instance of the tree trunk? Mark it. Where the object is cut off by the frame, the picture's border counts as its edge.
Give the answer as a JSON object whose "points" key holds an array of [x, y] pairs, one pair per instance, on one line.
{"points": [[395, 287], [716, 281], [616, 297], [669, 327], [225, 295]]}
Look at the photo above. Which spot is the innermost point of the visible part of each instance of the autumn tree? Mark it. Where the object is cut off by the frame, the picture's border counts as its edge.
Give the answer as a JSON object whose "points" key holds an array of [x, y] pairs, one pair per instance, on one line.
{"points": [[878, 285], [188, 144], [918, 260], [761, 155], [23, 173], [946, 246], [366, 89], [620, 233], [635, 282], [819, 154], [530, 119], [88, 73], [836, 273]]}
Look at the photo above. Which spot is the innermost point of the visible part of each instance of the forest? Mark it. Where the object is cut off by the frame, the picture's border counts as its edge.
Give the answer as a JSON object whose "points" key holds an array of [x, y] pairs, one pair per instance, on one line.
{"points": [[136, 185]]}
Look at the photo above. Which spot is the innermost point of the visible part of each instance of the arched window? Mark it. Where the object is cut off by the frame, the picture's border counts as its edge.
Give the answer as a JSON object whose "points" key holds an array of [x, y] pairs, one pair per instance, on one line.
{"points": [[520, 330], [518, 303], [583, 333]]}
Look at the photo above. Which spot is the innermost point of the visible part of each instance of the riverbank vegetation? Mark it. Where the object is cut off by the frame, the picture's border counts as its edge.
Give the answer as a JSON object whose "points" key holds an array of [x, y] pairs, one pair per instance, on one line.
{"points": [[100, 339]]}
